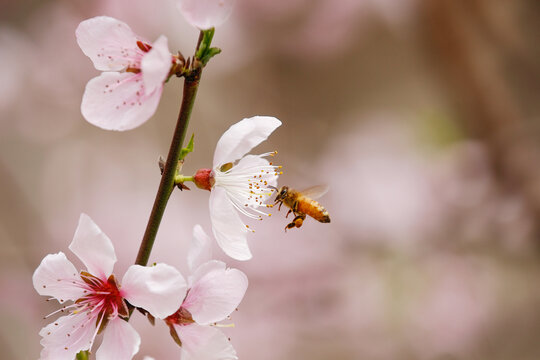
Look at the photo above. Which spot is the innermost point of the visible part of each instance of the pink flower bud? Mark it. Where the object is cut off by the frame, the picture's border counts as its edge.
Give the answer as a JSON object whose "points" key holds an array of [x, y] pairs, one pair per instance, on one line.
{"points": [[204, 179]]}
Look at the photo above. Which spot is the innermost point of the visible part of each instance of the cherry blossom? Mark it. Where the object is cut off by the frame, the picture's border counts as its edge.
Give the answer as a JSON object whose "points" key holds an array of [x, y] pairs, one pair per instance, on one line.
{"points": [[99, 302], [215, 291], [127, 93], [205, 14], [240, 188]]}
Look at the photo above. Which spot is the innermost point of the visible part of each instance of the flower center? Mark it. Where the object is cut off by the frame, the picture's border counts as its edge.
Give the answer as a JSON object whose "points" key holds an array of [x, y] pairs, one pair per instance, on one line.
{"points": [[181, 317], [103, 298], [249, 183]]}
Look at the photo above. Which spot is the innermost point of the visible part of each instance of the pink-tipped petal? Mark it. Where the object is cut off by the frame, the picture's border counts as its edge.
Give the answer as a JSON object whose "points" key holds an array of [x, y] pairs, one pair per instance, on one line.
{"points": [[156, 64], [229, 230], [201, 342], [158, 289], [205, 14], [200, 250], [243, 136], [120, 341], [118, 101], [65, 337], [109, 43], [56, 276], [215, 293], [93, 247]]}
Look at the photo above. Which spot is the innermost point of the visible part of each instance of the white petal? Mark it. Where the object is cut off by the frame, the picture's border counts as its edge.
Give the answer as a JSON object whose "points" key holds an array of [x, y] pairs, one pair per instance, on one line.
{"points": [[200, 250], [158, 289], [64, 338], [243, 136], [120, 341], [93, 247], [118, 101], [216, 292], [205, 14], [109, 43], [230, 232], [57, 277], [207, 267], [156, 64], [201, 342]]}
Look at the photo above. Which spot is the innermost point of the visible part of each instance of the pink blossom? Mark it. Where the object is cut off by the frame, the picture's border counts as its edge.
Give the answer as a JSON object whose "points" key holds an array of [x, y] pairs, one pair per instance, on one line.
{"points": [[99, 302], [127, 93], [205, 14], [240, 188], [215, 291]]}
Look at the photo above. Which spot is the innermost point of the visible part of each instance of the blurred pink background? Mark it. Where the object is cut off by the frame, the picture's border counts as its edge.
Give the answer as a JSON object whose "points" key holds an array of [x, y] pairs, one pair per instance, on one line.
{"points": [[422, 116]]}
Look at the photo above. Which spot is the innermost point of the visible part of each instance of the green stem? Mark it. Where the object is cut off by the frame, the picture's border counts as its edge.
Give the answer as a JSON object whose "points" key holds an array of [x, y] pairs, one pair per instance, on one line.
{"points": [[166, 186], [179, 179], [82, 355]]}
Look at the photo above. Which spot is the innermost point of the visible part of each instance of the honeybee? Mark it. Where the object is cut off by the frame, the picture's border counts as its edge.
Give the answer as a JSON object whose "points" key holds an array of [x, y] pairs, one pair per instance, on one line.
{"points": [[302, 203]]}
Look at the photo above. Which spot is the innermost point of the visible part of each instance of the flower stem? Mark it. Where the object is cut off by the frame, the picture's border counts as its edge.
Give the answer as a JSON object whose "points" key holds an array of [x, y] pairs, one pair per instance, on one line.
{"points": [[82, 355], [166, 186], [179, 179]]}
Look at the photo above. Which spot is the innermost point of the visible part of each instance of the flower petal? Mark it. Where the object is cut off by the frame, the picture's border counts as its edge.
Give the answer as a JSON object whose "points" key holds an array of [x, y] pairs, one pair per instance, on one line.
{"points": [[158, 289], [64, 338], [120, 341], [201, 342], [243, 136], [229, 230], [93, 247], [118, 101], [57, 277], [205, 14], [200, 250], [156, 64], [109, 43], [216, 292]]}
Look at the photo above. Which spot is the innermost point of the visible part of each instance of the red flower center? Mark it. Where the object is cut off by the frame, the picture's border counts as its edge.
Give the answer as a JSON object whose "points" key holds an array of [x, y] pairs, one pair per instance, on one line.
{"points": [[103, 298]]}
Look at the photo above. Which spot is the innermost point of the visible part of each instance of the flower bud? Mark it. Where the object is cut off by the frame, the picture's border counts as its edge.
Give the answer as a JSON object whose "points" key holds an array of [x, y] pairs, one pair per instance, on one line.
{"points": [[204, 179]]}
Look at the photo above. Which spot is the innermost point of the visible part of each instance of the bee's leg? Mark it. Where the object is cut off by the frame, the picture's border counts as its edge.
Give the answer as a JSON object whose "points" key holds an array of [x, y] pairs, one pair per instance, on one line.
{"points": [[294, 207], [290, 211], [298, 220], [290, 226], [279, 207]]}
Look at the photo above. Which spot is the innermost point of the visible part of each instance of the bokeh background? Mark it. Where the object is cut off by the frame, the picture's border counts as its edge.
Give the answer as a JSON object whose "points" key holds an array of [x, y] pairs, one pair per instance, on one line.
{"points": [[422, 116]]}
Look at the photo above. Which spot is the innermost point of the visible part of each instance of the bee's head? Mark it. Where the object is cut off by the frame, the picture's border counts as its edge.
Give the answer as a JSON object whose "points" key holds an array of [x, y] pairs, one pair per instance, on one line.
{"points": [[282, 193]]}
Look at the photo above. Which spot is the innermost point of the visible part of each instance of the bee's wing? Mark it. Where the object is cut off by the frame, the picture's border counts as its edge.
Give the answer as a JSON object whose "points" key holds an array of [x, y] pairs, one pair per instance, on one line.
{"points": [[315, 192]]}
